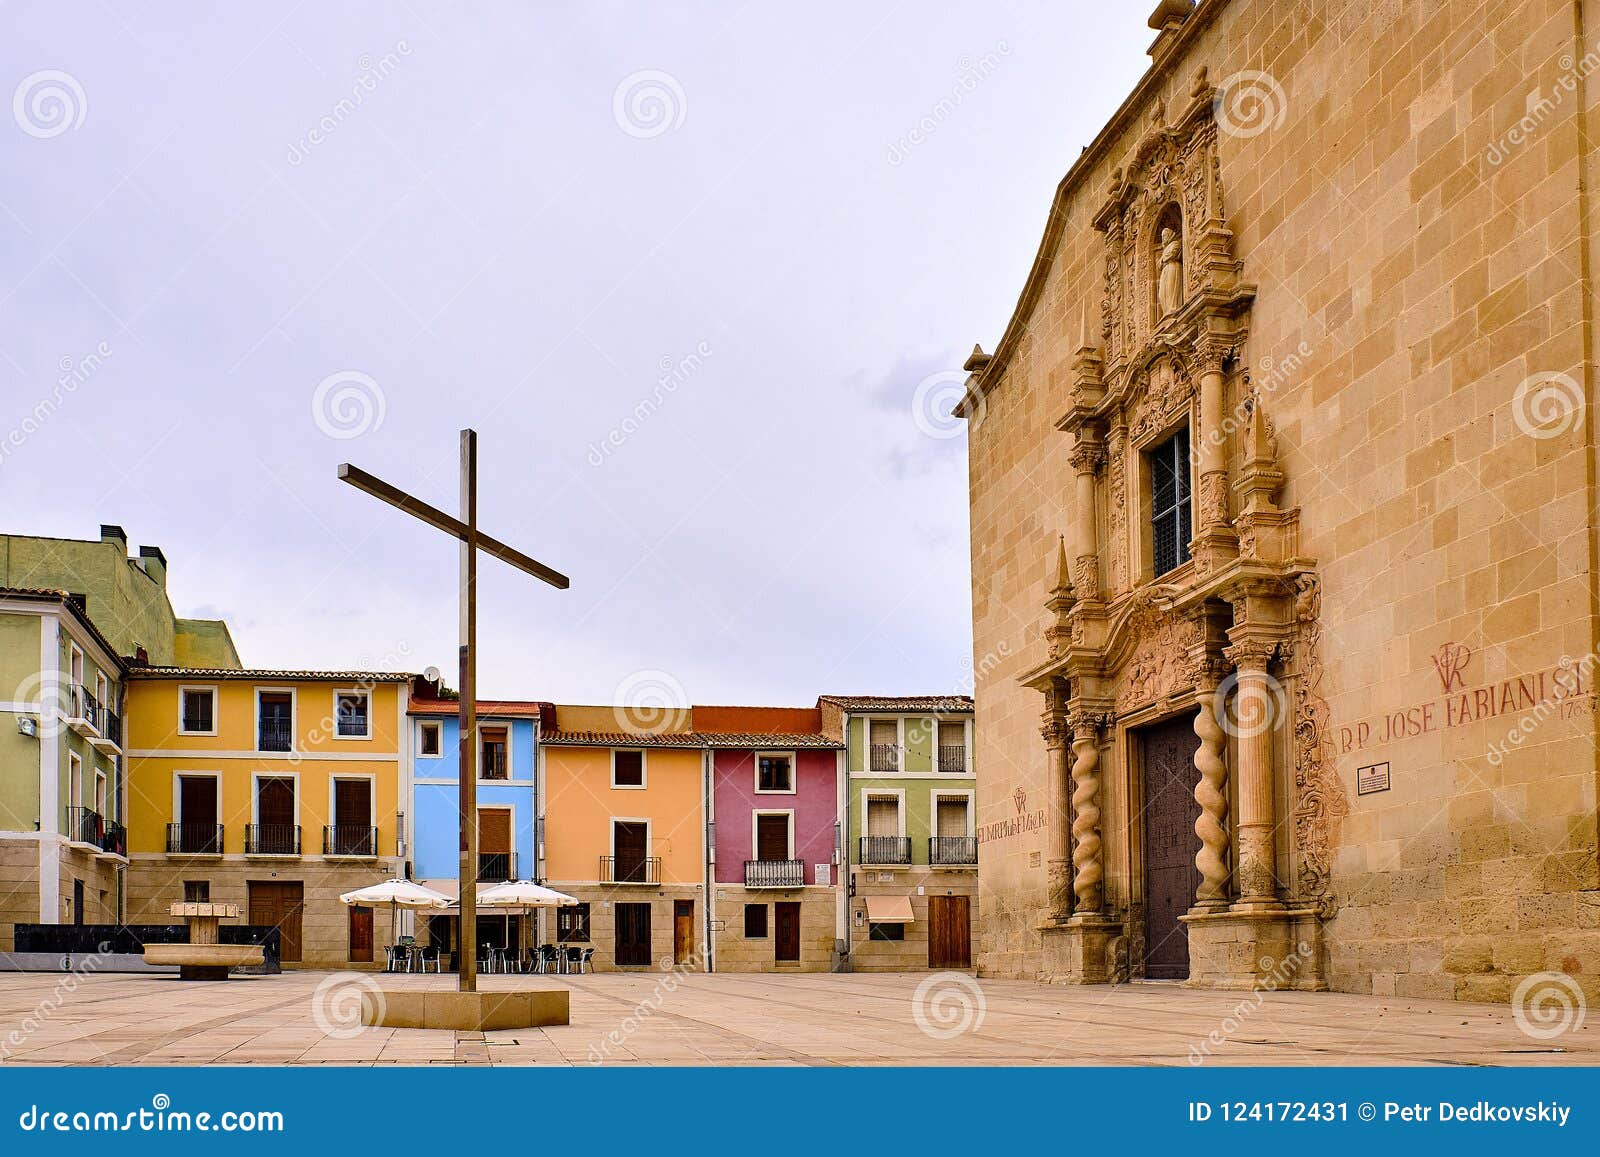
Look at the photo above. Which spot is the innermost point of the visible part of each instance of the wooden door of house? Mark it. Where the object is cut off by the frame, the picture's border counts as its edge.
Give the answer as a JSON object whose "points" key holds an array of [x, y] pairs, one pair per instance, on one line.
{"points": [[1170, 875], [494, 844], [633, 934], [360, 934], [197, 814], [279, 904], [683, 931], [786, 943], [352, 818], [275, 834], [949, 932]]}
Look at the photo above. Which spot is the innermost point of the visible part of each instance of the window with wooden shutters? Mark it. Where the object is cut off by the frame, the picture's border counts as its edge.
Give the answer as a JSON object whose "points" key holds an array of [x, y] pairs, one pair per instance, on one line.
{"points": [[197, 711], [572, 924], [953, 746], [494, 744], [755, 921], [627, 769], [883, 736], [630, 842], [1170, 509], [952, 816], [883, 817], [772, 837]]}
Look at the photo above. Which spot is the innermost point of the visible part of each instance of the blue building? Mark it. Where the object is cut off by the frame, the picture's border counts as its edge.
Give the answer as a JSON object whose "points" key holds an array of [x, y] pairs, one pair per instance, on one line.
{"points": [[508, 738]]}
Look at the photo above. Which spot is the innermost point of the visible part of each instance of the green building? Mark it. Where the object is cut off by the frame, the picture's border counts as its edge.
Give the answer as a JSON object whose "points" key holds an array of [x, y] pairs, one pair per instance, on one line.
{"points": [[73, 614], [911, 844]]}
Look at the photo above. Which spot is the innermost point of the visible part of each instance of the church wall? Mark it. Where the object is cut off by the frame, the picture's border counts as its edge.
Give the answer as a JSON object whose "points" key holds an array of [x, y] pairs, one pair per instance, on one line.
{"points": [[1414, 268]]}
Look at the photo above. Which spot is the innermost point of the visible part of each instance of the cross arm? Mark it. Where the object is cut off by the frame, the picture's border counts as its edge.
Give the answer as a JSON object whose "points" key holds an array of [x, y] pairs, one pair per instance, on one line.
{"points": [[451, 525]]}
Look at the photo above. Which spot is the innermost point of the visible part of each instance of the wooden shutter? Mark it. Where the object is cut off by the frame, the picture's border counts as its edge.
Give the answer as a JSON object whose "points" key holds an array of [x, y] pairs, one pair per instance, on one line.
{"points": [[883, 817], [352, 802], [197, 799], [772, 837], [885, 731], [952, 817], [275, 801], [630, 840], [494, 831]]}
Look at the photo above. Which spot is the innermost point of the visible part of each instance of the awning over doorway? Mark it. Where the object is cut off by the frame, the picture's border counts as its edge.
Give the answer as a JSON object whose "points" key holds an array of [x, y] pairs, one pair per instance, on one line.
{"points": [[890, 910]]}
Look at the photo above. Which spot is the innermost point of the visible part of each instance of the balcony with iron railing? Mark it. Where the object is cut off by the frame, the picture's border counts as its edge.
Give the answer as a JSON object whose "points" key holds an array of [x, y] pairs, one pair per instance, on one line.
{"points": [[85, 826], [630, 869], [275, 735], [192, 839], [115, 840], [884, 757], [358, 841], [496, 867], [109, 726], [774, 874], [83, 711], [952, 757], [891, 851], [953, 851], [272, 839]]}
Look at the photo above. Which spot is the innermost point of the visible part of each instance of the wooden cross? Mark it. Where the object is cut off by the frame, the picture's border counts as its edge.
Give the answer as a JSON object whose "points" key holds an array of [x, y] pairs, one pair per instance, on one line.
{"points": [[465, 530]]}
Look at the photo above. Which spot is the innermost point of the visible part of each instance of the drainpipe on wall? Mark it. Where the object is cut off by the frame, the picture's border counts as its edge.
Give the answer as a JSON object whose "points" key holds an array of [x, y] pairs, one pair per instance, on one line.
{"points": [[708, 838], [842, 809], [542, 930]]}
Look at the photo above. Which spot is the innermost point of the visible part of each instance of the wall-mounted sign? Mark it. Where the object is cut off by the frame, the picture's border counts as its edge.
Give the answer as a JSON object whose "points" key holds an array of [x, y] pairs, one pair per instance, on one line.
{"points": [[824, 874], [1372, 778]]}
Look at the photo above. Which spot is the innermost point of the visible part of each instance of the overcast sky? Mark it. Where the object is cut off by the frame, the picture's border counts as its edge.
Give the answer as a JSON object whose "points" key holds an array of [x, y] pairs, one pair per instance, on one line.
{"points": [[701, 275]]}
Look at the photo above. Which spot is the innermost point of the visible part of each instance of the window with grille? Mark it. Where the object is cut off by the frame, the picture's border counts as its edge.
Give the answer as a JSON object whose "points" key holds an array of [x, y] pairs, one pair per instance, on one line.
{"points": [[1170, 516]]}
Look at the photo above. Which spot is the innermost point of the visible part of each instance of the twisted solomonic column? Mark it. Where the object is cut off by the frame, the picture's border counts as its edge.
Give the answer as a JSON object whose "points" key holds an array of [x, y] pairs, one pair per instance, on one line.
{"points": [[1211, 791], [1058, 866], [1088, 870]]}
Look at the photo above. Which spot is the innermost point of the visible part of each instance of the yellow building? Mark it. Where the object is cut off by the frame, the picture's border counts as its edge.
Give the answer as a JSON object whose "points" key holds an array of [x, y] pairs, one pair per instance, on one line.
{"points": [[624, 810], [274, 790]]}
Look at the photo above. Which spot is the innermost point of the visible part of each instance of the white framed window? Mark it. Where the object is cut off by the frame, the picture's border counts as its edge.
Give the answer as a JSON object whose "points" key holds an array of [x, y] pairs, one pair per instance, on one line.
{"points": [[352, 714], [885, 743], [100, 794], [628, 768], [772, 835], [275, 718], [775, 773], [74, 779], [197, 710], [430, 738], [75, 665]]}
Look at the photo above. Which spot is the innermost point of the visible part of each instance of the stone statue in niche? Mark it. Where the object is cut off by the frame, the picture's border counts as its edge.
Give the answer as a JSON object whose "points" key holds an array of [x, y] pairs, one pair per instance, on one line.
{"points": [[1169, 283]]}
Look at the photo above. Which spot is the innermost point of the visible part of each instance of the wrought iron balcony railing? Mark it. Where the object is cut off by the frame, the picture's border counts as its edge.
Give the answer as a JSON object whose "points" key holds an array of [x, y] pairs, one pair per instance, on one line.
{"points": [[194, 839], [350, 840], [630, 869], [885, 849], [774, 873], [952, 850], [272, 839], [885, 757], [952, 758], [85, 826], [275, 735], [497, 867]]}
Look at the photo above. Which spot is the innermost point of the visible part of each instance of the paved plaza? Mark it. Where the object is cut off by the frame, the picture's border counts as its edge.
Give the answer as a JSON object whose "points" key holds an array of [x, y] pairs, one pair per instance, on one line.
{"points": [[673, 1019]]}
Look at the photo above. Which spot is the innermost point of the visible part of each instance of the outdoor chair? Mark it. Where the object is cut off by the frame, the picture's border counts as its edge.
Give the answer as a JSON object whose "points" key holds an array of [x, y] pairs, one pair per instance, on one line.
{"points": [[545, 960], [430, 955], [586, 960]]}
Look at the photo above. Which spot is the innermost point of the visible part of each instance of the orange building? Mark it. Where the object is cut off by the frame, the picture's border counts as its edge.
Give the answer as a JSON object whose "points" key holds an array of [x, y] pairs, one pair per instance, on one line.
{"points": [[624, 832]]}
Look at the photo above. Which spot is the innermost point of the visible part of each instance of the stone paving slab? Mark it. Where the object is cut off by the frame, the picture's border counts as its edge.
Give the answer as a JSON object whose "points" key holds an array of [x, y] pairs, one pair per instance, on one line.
{"points": [[674, 1019]]}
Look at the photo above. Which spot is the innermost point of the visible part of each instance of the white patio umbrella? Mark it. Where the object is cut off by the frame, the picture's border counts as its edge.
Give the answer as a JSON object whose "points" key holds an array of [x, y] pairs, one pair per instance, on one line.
{"points": [[523, 894], [397, 894]]}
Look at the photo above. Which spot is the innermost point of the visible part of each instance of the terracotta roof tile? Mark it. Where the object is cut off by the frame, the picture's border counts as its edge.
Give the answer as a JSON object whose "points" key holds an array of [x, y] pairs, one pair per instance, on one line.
{"points": [[690, 739], [944, 703], [153, 672]]}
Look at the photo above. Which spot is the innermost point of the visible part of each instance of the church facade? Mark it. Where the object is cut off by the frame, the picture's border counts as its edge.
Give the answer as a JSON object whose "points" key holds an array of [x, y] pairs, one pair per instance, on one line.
{"points": [[1282, 507]]}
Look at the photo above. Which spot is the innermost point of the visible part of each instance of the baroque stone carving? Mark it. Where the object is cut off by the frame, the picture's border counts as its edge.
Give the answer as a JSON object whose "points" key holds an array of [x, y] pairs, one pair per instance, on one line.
{"points": [[1088, 871], [1211, 792], [1158, 665], [1320, 801]]}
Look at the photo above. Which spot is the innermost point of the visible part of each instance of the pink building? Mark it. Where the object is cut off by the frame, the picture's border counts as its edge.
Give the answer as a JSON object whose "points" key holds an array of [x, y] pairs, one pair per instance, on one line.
{"points": [[775, 815]]}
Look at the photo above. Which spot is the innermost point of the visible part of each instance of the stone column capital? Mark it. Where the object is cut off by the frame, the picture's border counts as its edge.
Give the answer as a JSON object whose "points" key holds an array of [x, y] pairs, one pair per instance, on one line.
{"points": [[1252, 653], [1088, 456]]}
